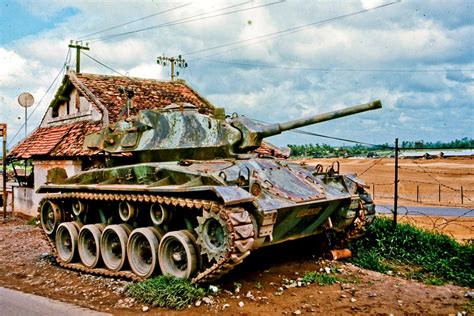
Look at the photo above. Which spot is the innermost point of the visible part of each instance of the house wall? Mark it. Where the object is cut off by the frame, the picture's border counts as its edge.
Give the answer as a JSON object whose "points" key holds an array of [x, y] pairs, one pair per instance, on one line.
{"points": [[26, 199], [79, 110]]}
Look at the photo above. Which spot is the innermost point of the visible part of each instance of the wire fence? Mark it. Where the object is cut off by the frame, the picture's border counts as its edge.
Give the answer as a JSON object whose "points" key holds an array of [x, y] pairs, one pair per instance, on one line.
{"points": [[433, 196]]}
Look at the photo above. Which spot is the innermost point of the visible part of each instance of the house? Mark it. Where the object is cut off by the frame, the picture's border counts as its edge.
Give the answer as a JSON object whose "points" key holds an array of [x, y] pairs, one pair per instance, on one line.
{"points": [[83, 104]]}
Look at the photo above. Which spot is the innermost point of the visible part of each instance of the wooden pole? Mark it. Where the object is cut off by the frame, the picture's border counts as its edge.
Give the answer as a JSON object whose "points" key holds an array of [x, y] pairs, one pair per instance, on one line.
{"points": [[462, 195], [3, 133], [417, 193]]}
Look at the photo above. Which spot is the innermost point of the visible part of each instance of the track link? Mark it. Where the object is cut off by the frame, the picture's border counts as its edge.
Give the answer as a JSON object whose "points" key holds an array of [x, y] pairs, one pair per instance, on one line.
{"points": [[238, 222]]}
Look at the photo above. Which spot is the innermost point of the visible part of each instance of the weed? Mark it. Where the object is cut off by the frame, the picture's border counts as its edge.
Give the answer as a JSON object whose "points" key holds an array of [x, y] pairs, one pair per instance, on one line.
{"points": [[434, 255], [258, 286], [237, 286], [320, 278], [433, 281], [33, 221], [166, 291]]}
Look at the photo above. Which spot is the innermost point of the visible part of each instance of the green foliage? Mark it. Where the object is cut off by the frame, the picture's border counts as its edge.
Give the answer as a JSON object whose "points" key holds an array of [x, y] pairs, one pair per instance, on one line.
{"points": [[166, 291], [258, 286], [433, 257], [323, 150], [320, 278], [33, 221]]}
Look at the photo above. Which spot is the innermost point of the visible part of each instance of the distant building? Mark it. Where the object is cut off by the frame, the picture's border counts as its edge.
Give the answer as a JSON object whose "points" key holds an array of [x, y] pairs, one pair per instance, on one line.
{"points": [[82, 105]]}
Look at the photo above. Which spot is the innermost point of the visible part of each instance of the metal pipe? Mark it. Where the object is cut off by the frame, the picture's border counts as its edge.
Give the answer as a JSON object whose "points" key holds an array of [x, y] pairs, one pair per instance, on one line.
{"points": [[336, 254]]}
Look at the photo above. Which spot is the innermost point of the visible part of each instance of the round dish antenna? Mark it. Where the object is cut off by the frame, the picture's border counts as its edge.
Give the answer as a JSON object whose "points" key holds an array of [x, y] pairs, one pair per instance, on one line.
{"points": [[26, 99]]}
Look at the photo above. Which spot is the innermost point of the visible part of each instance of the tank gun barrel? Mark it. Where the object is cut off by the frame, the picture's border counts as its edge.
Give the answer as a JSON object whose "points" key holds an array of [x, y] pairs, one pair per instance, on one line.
{"points": [[253, 133], [277, 128]]}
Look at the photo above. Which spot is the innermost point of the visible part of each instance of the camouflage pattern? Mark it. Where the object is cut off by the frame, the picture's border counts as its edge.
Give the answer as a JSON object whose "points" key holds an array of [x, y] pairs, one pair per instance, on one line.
{"points": [[182, 154]]}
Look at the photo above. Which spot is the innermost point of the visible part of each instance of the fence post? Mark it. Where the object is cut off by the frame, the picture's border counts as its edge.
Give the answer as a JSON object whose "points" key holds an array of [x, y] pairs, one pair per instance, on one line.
{"points": [[373, 190], [462, 195], [417, 193], [439, 192], [395, 194]]}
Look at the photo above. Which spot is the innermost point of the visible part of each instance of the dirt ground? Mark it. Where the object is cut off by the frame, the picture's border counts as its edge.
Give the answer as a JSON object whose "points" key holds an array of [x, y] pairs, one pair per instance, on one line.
{"points": [[449, 174], [430, 175], [268, 278]]}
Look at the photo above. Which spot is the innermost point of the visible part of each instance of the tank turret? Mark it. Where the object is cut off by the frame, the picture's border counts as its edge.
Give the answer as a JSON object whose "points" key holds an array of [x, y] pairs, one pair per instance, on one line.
{"points": [[180, 132]]}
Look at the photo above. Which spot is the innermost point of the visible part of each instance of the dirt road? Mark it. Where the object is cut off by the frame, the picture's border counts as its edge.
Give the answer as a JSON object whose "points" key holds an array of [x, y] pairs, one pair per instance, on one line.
{"points": [[265, 278]]}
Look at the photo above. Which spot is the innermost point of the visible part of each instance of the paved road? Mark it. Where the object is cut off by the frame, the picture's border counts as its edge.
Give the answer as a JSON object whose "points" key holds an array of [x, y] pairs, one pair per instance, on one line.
{"points": [[427, 210], [15, 303]]}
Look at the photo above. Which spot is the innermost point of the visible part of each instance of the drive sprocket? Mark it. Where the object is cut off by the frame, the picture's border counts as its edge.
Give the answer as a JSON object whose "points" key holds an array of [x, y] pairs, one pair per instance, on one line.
{"points": [[213, 235]]}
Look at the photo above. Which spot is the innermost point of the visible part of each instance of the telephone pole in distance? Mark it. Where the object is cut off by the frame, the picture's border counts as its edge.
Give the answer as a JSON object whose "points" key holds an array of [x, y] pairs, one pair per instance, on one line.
{"points": [[173, 61]]}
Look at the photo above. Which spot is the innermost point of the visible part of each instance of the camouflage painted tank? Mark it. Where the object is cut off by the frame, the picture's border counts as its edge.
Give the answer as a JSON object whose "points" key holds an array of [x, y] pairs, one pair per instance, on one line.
{"points": [[185, 195]]}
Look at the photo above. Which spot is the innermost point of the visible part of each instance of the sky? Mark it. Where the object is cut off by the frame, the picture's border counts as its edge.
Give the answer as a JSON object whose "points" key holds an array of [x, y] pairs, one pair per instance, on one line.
{"points": [[270, 60]]}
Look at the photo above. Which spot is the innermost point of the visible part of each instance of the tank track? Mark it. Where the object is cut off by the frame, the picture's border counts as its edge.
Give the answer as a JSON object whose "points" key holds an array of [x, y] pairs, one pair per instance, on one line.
{"points": [[237, 219]]}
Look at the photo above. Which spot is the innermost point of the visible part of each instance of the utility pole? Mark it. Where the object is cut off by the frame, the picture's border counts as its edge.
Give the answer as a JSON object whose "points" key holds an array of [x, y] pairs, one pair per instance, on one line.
{"points": [[3, 134], [395, 194], [173, 61], [78, 46]]}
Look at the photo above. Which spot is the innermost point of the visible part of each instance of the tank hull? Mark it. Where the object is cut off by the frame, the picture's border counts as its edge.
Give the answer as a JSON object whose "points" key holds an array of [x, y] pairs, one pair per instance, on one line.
{"points": [[226, 208]]}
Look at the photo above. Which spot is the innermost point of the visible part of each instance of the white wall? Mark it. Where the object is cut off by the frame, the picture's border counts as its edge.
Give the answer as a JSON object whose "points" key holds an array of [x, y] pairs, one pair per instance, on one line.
{"points": [[26, 199]]}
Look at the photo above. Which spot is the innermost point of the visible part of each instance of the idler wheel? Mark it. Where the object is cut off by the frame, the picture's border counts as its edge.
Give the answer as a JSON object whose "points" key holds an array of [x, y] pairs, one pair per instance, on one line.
{"points": [[127, 211], [213, 235], [113, 246], [142, 251], [66, 241], [89, 244], [159, 214], [51, 216], [78, 207], [178, 254]]}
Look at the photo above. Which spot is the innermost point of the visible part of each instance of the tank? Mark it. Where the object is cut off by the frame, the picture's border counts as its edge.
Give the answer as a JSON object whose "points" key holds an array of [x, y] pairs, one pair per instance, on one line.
{"points": [[185, 194]]}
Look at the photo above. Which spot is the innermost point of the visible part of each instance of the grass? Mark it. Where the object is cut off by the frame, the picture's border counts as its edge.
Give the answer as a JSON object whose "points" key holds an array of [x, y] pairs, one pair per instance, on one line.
{"points": [[33, 221], [430, 257], [166, 291], [319, 278]]}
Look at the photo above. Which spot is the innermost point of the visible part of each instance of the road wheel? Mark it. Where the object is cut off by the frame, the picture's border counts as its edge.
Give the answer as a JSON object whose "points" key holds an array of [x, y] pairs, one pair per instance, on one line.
{"points": [[113, 246], [66, 241], [178, 255], [89, 244], [142, 251], [51, 216]]}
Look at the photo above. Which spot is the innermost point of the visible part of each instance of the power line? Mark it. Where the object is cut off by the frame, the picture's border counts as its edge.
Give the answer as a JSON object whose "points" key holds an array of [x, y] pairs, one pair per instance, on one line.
{"points": [[299, 131], [188, 19], [290, 30], [39, 102], [133, 21], [330, 69], [104, 65]]}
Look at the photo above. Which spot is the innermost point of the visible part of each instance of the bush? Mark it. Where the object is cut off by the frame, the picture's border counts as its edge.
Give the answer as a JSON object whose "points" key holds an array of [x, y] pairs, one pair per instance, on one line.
{"points": [[166, 291], [434, 255]]}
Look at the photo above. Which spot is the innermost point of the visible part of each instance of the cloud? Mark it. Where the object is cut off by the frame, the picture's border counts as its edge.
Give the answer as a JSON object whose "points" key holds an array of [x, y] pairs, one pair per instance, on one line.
{"points": [[348, 61]]}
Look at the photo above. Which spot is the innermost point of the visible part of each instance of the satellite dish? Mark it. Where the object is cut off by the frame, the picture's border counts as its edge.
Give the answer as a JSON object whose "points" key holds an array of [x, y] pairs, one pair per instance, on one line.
{"points": [[26, 99]]}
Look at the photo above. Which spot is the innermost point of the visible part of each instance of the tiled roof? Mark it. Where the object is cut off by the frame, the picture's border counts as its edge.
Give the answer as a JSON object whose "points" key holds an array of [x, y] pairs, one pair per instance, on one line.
{"points": [[64, 140], [149, 93], [67, 140]]}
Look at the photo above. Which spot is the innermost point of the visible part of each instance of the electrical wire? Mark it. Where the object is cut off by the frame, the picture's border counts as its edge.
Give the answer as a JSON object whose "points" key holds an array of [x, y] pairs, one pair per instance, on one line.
{"points": [[187, 20], [104, 65], [84, 37], [40, 101], [299, 131], [330, 69], [288, 31]]}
